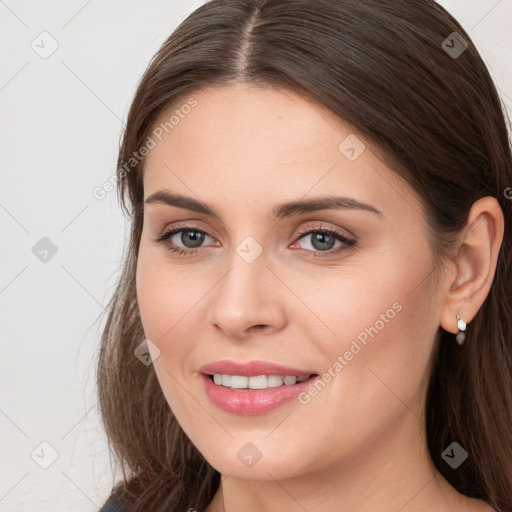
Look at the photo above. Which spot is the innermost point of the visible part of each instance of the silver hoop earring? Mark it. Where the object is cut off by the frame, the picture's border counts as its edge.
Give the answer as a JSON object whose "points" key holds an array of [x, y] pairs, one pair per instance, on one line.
{"points": [[461, 325]]}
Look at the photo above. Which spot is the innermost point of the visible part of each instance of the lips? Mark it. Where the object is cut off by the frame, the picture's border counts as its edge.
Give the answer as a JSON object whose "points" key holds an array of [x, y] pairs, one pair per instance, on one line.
{"points": [[252, 401], [251, 369]]}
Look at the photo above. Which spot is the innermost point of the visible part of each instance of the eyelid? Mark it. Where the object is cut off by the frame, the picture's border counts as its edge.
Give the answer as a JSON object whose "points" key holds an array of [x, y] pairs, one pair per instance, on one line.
{"points": [[183, 224], [322, 226]]}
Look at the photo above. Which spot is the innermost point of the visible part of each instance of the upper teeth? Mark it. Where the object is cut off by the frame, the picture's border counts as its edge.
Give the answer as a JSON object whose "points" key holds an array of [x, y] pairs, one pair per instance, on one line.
{"points": [[256, 382]]}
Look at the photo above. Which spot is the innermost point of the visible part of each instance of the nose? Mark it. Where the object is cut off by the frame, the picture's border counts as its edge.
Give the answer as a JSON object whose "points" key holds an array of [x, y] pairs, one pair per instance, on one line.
{"points": [[246, 301]]}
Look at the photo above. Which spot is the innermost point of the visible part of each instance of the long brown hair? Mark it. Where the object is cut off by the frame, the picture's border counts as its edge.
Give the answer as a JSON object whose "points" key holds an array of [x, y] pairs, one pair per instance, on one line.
{"points": [[382, 66]]}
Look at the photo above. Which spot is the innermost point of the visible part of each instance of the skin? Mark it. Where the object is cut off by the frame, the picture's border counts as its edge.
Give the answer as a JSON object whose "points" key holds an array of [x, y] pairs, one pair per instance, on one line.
{"points": [[360, 443]]}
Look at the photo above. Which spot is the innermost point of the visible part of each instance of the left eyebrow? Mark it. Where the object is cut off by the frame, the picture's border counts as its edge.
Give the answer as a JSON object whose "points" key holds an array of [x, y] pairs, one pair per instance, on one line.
{"points": [[287, 209], [322, 203]]}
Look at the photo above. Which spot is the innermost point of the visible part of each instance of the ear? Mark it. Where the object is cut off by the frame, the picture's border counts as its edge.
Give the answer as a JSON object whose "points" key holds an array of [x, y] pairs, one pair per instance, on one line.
{"points": [[475, 262]]}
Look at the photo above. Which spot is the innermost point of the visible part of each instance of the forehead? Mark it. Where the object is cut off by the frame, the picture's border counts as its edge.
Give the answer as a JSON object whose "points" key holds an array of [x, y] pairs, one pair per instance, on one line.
{"points": [[251, 144], [249, 118]]}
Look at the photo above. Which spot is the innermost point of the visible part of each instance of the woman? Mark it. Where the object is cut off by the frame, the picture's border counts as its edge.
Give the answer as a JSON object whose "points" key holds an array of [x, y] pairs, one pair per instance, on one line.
{"points": [[314, 309]]}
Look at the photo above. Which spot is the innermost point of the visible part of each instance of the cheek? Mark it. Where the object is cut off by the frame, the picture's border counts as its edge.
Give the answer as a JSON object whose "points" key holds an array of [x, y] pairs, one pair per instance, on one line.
{"points": [[168, 297], [172, 303], [354, 301], [385, 344], [381, 330], [165, 297]]}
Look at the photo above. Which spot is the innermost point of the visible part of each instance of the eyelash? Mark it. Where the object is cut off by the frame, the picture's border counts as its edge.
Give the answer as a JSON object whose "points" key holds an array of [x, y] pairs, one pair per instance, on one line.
{"points": [[348, 243]]}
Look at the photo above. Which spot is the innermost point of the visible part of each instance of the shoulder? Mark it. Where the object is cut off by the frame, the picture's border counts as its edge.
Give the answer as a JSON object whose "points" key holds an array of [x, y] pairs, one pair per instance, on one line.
{"points": [[114, 505]]}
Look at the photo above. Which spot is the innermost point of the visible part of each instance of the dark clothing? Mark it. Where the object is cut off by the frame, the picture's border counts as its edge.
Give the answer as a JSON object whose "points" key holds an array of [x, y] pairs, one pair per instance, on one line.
{"points": [[113, 505]]}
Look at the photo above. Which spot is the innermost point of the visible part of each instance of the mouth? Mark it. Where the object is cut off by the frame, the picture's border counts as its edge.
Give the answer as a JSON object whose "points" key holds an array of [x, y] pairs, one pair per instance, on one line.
{"points": [[256, 394]]}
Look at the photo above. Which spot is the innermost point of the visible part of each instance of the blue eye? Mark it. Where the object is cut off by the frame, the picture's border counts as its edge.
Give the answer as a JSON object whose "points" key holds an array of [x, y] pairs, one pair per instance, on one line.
{"points": [[189, 235], [322, 241]]}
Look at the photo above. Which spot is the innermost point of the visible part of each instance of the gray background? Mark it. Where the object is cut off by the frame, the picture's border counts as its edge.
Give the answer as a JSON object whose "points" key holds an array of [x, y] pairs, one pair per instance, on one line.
{"points": [[61, 119]]}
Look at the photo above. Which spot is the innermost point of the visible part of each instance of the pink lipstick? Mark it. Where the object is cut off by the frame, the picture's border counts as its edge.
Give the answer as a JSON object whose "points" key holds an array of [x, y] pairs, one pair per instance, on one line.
{"points": [[253, 388]]}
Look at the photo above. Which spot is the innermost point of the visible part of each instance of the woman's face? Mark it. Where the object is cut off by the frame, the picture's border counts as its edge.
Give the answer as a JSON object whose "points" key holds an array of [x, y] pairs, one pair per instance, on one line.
{"points": [[357, 306]]}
